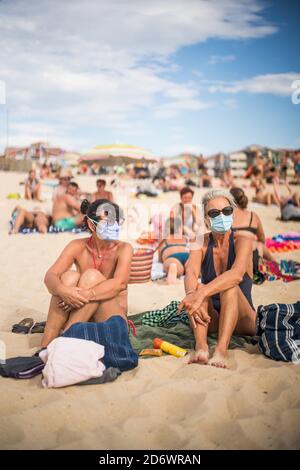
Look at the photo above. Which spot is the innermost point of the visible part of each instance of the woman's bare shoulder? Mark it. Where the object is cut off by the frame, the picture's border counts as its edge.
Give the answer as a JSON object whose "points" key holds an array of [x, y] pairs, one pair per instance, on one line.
{"points": [[124, 247], [78, 244]]}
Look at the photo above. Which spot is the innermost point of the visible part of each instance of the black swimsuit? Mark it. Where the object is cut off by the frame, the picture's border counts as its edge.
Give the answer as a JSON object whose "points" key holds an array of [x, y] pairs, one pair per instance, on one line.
{"points": [[208, 272], [247, 228]]}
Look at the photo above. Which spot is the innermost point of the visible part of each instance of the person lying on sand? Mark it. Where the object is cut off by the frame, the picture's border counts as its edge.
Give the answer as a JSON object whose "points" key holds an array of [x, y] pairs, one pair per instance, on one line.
{"points": [[173, 250], [66, 208], [222, 302], [101, 192], [97, 289], [37, 218]]}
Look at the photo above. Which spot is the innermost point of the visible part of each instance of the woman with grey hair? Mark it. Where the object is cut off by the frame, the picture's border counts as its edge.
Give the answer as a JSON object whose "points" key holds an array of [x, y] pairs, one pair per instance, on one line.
{"points": [[222, 301]]}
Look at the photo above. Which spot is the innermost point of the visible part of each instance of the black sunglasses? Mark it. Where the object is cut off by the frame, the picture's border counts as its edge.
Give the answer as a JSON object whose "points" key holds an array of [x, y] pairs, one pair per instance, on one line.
{"points": [[212, 213]]}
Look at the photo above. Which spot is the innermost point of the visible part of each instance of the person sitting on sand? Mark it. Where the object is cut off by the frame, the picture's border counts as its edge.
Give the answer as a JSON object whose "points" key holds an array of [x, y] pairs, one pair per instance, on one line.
{"points": [[32, 187], [188, 212], [101, 192], [97, 289], [257, 179], [173, 250], [289, 204], [227, 178], [66, 209], [222, 301], [247, 223], [44, 171], [264, 197], [36, 218], [205, 181], [63, 181]]}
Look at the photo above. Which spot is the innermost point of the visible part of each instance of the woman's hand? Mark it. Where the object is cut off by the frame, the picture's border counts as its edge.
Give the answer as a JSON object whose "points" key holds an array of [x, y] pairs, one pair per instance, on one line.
{"points": [[74, 297], [193, 305]]}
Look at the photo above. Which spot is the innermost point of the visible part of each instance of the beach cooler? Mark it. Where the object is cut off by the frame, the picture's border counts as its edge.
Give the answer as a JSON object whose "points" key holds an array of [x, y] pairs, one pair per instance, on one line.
{"points": [[141, 265]]}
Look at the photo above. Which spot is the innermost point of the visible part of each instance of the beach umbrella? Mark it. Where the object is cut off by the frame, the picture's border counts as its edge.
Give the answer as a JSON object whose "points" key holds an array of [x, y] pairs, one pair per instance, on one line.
{"points": [[117, 154], [71, 158]]}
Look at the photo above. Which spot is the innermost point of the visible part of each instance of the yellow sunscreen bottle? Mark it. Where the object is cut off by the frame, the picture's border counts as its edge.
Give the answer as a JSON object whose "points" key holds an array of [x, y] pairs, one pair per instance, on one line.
{"points": [[169, 347]]}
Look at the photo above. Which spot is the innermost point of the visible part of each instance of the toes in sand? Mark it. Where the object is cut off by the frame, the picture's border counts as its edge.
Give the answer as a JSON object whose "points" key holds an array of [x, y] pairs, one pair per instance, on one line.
{"points": [[200, 356], [218, 360]]}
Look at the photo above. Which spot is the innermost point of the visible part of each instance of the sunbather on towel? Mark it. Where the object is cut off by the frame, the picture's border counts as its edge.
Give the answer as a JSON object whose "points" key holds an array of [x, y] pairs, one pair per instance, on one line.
{"points": [[222, 301], [37, 218], [66, 208], [97, 289]]}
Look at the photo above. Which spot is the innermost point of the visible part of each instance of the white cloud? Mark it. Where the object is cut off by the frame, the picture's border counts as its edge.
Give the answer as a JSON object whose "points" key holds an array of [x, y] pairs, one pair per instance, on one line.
{"points": [[74, 65], [276, 84], [221, 59], [230, 103]]}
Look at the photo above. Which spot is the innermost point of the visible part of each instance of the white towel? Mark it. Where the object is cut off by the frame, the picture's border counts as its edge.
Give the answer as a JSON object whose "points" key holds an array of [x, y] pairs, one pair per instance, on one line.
{"points": [[70, 361]]}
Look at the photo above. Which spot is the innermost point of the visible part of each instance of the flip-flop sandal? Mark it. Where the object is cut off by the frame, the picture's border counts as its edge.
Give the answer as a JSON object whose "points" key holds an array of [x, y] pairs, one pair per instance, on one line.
{"points": [[23, 327], [38, 327]]}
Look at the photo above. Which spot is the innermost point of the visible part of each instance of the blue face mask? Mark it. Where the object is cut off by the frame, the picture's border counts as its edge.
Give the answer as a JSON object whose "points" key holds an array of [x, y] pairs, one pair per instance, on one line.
{"points": [[221, 224], [106, 231]]}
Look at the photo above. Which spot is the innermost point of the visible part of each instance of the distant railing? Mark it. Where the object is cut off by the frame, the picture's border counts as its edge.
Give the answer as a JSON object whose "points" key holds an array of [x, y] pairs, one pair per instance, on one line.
{"points": [[7, 164]]}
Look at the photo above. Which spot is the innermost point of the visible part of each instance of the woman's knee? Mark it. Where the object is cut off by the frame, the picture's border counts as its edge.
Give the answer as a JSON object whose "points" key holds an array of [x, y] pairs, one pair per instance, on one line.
{"points": [[90, 277], [70, 278]]}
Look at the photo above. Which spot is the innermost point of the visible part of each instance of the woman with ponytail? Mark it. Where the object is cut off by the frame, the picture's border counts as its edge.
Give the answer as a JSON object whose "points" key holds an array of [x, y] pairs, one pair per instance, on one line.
{"points": [[96, 289], [248, 223]]}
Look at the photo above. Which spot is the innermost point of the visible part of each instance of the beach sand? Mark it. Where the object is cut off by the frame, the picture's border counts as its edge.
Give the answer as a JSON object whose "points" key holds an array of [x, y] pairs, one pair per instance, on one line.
{"points": [[162, 404]]}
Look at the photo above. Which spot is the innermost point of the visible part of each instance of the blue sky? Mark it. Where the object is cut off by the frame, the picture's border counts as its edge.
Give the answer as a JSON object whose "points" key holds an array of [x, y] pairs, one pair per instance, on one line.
{"points": [[168, 75]]}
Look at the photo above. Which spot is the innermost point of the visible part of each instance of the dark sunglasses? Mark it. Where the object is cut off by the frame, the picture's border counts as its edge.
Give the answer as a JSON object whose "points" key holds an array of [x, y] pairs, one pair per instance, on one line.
{"points": [[212, 213]]}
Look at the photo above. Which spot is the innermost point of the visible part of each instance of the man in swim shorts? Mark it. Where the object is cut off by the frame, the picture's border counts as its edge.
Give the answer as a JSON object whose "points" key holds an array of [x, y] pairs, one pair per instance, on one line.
{"points": [[66, 209]]}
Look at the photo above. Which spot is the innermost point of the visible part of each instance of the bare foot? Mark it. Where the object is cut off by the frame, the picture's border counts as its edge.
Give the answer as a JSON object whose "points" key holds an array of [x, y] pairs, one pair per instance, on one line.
{"points": [[172, 274], [200, 356], [218, 360]]}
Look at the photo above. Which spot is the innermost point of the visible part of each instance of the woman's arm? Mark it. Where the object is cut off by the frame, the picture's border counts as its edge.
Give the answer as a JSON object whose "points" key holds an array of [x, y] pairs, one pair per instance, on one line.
{"points": [[192, 271], [111, 287], [72, 202], [260, 234], [159, 249], [61, 265], [276, 195]]}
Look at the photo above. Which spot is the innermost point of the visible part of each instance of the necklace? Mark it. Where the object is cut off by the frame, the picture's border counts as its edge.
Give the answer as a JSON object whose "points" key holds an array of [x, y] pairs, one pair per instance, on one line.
{"points": [[95, 251]]}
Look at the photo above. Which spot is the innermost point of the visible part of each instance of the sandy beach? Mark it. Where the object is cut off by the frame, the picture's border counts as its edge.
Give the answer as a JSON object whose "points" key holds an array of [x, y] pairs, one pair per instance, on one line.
{"points": [[162, 404]]}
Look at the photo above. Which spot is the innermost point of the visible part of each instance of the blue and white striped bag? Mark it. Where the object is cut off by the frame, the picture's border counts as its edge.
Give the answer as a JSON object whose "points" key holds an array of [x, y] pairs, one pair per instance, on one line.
{"points": [[278, 331]]}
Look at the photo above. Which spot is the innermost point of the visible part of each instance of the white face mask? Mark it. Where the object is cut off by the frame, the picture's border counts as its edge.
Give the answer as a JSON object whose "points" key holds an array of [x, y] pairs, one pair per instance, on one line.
{"points": [[106, 231]]}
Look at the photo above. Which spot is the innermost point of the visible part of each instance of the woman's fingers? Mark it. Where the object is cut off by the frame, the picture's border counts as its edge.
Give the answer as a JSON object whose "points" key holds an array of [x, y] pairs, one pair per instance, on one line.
{"points": [[194, 324], [82, 299], [200, 319]]}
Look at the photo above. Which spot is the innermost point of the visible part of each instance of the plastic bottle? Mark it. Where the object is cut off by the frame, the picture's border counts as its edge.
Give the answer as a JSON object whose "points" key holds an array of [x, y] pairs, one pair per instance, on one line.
{"points": [[169, 347]]}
